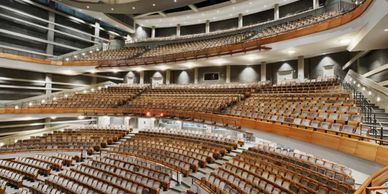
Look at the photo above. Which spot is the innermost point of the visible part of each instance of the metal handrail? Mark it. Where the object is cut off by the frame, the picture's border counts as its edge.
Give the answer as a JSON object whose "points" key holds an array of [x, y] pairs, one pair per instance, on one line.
{"points": [[369, 114], [28, 102]]}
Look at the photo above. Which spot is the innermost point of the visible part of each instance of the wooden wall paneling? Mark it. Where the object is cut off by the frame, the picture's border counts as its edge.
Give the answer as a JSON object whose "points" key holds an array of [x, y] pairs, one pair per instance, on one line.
{"points": [[382, 155], [366, 150]]}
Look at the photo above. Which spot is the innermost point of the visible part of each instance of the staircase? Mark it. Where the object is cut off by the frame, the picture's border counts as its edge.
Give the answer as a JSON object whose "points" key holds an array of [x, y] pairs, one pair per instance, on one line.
{"points": [[373, 117], [381, 120]]}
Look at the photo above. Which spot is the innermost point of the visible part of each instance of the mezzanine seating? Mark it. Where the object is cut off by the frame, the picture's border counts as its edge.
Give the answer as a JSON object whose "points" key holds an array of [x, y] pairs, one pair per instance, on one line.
{"points": [[108, 97], [201, 98], [200, 44]]}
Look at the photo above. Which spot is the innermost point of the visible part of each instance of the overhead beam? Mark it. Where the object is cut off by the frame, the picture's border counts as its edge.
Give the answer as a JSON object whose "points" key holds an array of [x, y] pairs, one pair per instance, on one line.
{"points": [[193, 7], [37, 39], [354, 59], [162, 13], [144, 15]]}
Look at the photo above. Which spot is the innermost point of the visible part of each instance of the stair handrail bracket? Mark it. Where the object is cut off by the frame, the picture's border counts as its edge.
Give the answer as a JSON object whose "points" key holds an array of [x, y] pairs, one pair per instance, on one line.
{"points": [[376, 182]]}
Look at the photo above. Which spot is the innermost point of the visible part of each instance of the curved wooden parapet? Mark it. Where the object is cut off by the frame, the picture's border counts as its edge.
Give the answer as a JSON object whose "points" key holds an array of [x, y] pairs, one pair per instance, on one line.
{"points": [[360, 146], [254, 44], [374, 182]]}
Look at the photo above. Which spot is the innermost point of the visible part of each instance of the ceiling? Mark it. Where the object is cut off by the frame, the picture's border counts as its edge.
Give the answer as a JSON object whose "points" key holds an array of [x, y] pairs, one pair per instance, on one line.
{"points": [[128, 6], [375, 33], [218, 12], [351, 37]]}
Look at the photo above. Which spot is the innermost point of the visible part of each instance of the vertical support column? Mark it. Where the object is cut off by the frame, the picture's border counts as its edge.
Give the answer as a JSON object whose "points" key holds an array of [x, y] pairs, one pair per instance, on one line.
{"points": [[47, 123], [240, 20], [94, 80], [153, 32], [178, 30], [50, 33], [168, 76], [207, 28], [96, 31], [141, 77], [227, 79], [301, 67], [315, 4], [196, 75], [263, 71], [48, 85], [276, 12]]}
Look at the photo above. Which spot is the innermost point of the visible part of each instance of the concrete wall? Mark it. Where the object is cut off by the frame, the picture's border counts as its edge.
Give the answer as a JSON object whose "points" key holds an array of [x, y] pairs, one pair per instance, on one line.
{"points": [[149, 75], [182, 76], [245, 73], [315, 65], [220, 69], [371, 61]]}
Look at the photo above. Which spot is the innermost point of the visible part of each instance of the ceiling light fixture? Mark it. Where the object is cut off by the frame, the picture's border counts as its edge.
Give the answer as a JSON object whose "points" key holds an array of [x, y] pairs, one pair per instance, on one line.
{"points": [[386, 30], [291, 52], [345, 41], [219, 61]]}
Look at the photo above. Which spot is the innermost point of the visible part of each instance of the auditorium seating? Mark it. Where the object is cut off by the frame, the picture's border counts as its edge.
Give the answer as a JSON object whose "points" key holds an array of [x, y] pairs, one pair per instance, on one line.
{"points": [[184, 152], [107, 97], [91, 138], [310, 104], [202, 98], [3, 184], [123, 53], [270, 168]]}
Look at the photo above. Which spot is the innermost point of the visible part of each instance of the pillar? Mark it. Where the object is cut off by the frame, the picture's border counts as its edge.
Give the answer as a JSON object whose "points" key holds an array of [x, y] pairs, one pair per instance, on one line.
{"points": [[47, 123], [141, 77], [168, 76], [263, 71], [227, 79], [196, 75], [207, 28], [315, 4], [96, 31], [94, 80], [301, 67], [276, 12], [153, 32], [178, 30], [240, 20], [50, 33], [48, 83]]}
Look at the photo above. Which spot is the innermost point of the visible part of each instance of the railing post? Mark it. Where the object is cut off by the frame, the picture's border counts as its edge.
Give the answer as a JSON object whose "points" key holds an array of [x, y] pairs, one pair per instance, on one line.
{"points": [[381, 134]]}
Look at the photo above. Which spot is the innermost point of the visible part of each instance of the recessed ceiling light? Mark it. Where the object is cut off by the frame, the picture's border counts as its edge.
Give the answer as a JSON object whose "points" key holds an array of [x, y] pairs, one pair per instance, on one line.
{"points": [[345, 41], [291, 52], [386, 30], [112, 8], [153, 4], [87, 7], [219, 61], [133, 7]]}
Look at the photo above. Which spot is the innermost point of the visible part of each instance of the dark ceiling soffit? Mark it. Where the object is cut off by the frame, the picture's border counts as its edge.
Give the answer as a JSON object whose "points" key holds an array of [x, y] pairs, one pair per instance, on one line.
{"points": [[142, 6]]}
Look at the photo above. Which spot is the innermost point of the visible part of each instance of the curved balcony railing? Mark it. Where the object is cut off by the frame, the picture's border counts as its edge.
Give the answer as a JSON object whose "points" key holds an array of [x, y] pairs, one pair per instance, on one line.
{"points": [[43, 99], [253, 44]]}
